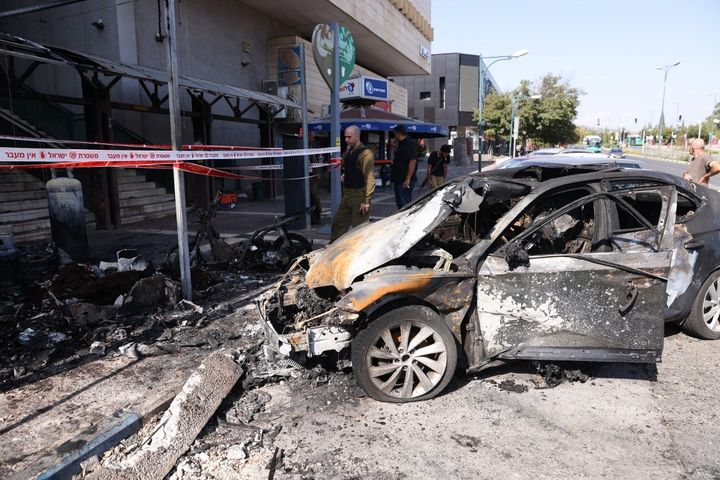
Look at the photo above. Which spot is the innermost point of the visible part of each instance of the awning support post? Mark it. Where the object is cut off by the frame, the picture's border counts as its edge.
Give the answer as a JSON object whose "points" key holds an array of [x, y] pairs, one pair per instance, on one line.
{"points": [[176, 139]]}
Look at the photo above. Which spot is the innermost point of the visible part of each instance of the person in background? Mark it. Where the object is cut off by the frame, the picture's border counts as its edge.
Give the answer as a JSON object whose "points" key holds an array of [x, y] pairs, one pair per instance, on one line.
{"points": [[402, 172], [358, 164], [701, 166], [438, 167]]}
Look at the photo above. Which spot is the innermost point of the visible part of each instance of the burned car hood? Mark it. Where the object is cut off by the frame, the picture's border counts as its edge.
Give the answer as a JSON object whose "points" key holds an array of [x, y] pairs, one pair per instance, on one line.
{"points": [[375, 244]]}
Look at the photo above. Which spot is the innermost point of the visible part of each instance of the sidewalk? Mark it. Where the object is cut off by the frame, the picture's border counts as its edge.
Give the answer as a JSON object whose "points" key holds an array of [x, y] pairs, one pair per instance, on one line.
{"points": [[154, 238]]}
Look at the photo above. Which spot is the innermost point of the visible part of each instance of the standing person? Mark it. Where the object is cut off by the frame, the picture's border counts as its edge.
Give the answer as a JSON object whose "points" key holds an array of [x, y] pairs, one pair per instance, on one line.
{"points": [[438, 166], [358, 164], [403, 167], [701, 166]]}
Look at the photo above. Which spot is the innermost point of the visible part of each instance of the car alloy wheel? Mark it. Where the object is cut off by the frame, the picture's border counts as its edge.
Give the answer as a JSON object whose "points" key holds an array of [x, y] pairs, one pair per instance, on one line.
{"points": [[711, 306], [405, 355], [704, 318]]}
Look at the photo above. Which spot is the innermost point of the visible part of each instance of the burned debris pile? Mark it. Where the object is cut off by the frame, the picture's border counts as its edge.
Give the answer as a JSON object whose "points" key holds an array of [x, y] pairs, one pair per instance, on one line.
{"points": [[55, 316]]}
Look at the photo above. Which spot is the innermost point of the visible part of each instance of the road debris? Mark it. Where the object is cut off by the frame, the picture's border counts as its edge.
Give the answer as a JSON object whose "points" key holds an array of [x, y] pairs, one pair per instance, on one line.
{"points": [[180, 424]]}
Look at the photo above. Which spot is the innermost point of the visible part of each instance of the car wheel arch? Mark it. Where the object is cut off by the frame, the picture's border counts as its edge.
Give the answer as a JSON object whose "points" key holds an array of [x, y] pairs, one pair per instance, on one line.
{"points": [[392, 302]]}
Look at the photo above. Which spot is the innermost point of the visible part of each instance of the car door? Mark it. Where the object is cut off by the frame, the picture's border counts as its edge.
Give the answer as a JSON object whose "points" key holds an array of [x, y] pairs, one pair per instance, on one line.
{"points": [[591, 292]]}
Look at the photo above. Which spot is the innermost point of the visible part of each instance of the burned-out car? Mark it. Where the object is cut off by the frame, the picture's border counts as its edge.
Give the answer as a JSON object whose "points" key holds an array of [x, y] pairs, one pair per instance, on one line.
{"points": [[541, 263]]}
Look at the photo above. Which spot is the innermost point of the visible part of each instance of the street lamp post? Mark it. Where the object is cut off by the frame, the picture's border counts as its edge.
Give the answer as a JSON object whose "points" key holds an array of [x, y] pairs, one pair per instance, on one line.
{"points": [[666, 69], [497, 58], [715, 120], [513, 114]]}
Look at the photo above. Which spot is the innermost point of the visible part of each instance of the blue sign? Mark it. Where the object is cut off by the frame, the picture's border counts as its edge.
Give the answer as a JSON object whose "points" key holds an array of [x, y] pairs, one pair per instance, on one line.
{"points": [[363, 87], [419, 129], [375, 88]]}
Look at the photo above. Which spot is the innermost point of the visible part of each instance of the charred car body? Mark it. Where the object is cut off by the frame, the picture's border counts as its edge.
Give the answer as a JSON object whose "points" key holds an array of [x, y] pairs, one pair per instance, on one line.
{"points": [[542, 263]]}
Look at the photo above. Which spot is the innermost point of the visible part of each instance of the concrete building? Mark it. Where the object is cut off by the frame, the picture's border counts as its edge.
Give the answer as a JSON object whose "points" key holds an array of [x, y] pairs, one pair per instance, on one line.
{"points": [[449, 95], [234, 44]]}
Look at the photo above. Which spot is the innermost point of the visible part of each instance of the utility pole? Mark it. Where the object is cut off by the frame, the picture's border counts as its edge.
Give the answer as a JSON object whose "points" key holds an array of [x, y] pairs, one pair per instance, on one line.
{"points": [[176, 140], [335, 119], [303, 103], [666, 69]]}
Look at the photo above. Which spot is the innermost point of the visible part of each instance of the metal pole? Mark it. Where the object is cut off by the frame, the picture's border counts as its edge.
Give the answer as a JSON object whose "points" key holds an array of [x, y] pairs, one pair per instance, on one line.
{"points": [[513, 105], [303, 103], [662, 107], [480, 114], [335, 119], [176, 139]]}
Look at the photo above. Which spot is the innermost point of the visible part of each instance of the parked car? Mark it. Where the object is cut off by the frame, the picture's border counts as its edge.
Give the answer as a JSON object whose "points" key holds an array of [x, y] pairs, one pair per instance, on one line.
{"points": [[544, 263], [584, 159], [545, 151], [617, 152]]}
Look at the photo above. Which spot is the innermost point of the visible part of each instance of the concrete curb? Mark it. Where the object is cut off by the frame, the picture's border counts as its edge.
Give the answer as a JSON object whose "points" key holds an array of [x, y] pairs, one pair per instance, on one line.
{"points": [[126, 425]]}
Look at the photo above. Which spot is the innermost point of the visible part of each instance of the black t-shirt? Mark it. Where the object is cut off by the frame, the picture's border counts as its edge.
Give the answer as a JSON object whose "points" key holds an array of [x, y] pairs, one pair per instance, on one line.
{"points": [[437, 164], [406, 151]]}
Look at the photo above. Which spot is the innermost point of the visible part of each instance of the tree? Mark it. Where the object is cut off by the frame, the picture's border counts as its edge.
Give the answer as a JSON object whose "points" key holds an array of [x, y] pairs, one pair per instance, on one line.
{"points": [[548, 120], [496, 115]]}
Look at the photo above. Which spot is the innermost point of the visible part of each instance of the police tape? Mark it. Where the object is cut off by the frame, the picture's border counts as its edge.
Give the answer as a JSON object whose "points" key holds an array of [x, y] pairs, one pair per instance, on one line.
{"points": [[201, 147], [79, 156]]}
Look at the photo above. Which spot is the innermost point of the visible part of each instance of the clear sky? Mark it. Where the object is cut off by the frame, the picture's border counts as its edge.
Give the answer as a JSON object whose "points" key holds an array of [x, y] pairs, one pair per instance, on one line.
{"points": [[609, 49]]}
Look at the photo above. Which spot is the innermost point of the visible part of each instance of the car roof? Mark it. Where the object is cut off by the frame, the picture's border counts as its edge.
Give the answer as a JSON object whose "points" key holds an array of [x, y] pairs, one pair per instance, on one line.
{"points": [[574, 150], [589, 159], [541, 177], [545, 151]]}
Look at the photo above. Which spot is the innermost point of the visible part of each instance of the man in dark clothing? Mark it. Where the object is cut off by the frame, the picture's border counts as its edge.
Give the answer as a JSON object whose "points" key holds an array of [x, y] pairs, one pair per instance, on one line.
{"points": [[701, 166], [358, 164], [438, 167], [403, 167]]}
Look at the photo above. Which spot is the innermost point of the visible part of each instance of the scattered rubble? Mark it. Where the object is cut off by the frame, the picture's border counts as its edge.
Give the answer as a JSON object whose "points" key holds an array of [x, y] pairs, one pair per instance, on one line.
{"points": [[554, 375], [180, 424], [56, 316]]}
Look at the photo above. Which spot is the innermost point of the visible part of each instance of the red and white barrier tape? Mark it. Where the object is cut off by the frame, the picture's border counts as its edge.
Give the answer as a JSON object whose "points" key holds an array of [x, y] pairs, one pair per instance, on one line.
{"points": [[43, 155], [130, 145]]}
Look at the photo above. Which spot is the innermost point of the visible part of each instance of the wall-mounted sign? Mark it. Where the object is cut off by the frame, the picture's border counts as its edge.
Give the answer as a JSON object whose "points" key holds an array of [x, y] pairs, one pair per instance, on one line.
{"points": [[364, 87], [322, 41], [289, 62], [424, 51]]}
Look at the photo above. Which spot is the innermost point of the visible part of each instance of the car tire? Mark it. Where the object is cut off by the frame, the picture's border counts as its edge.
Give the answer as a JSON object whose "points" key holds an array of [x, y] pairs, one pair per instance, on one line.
{"points": [[397, 368], [299, 245], [704, 319]]}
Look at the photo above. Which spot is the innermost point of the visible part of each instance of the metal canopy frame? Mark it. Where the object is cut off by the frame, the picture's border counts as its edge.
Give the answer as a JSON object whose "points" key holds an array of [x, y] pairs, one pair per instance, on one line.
{"points": [[91, 67]]}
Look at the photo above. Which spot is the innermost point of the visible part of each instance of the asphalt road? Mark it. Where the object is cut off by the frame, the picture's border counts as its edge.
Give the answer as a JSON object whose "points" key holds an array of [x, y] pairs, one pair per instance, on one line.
{"points": [[627, 421]]}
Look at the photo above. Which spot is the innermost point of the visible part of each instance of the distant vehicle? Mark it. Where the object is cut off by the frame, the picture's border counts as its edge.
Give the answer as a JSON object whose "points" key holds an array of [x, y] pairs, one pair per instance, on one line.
{"points": [[617, 152], [589, 160], [593, 142], [634, 140], [575, 149], [545, 151]]}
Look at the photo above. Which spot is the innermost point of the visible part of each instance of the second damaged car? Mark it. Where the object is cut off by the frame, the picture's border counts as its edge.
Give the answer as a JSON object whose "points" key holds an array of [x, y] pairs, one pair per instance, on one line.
{"points": [[538, 263]]}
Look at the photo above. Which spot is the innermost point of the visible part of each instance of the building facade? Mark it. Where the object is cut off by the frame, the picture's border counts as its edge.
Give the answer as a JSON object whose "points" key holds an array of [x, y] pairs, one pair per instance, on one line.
{"points": [[236, 44], [449, 95]]}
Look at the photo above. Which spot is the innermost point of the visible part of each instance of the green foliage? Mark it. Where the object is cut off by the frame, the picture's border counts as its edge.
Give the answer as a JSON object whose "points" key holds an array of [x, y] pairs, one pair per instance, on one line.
{"points": [[548, 120], [496, 115]]}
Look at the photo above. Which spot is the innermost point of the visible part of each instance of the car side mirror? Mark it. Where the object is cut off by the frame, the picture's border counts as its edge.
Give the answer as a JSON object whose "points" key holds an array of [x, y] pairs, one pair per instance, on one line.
{"points": [[516, 256]]}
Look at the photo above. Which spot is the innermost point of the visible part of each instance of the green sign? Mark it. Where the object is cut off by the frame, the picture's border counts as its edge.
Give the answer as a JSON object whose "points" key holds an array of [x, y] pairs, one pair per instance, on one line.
{"points": [[322, 40]]}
